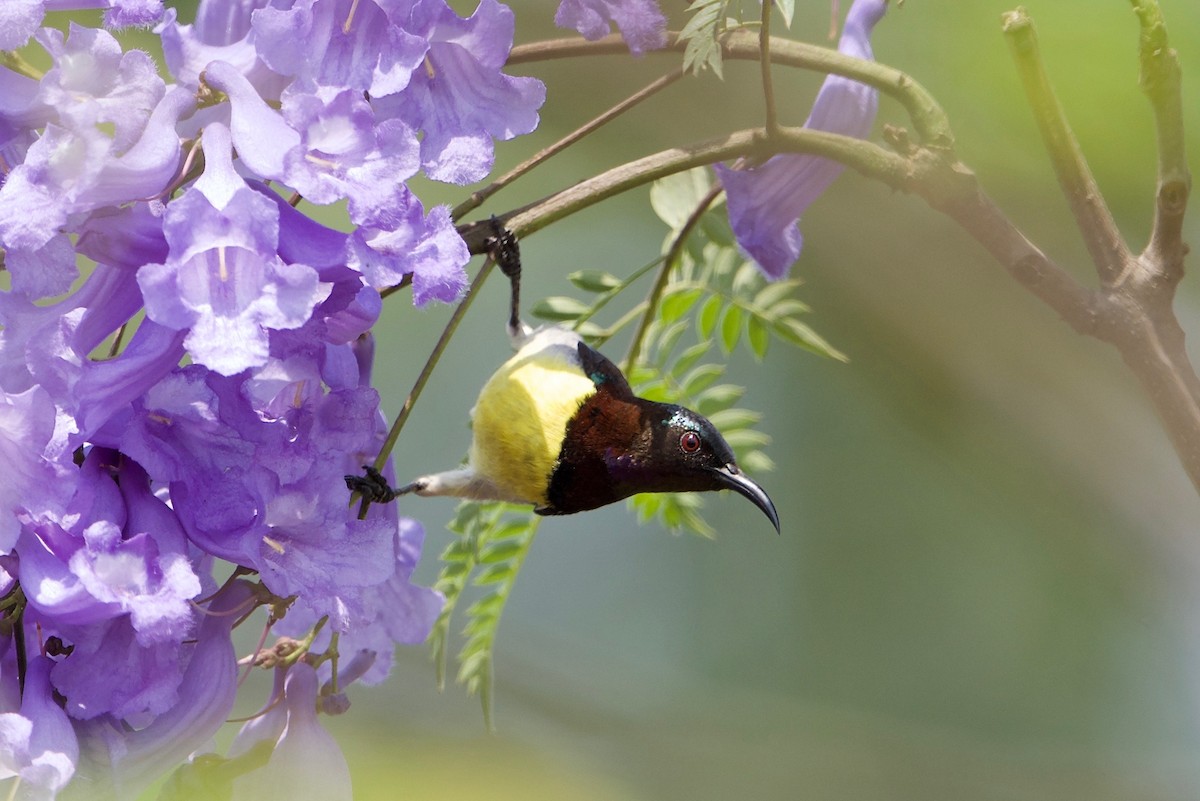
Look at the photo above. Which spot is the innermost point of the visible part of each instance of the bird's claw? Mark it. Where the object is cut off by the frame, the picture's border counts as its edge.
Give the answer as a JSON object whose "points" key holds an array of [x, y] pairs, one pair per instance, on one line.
{"points": [[373, 487]]}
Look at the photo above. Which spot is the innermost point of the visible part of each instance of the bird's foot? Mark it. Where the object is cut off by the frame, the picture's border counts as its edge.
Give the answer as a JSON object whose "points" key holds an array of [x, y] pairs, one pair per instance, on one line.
{"points": [[503, 247], [374, 488]]}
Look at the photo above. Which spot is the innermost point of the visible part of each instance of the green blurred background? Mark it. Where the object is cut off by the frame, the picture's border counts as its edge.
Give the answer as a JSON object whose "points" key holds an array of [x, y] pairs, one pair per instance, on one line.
{"points": [[985, 583]]}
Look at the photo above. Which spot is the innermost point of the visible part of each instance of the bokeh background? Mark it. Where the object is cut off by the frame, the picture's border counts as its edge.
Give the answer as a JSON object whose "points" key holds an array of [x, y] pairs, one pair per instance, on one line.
{"points": [[986, 586]]}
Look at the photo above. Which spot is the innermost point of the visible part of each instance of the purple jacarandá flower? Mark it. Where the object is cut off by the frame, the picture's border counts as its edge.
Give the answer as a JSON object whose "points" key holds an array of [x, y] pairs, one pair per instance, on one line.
{"points": [[461, 100], [185, 362], [403, 240], [306, 761], [119, 761], [38, 747], [360, 44], [27, 434], [639, 21], [19, 19], [221, 32], [765, 202], [111, 139], [223, 279]]}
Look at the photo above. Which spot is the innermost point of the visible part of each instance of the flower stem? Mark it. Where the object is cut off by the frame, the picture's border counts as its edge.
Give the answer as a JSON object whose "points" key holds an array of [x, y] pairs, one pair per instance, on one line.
{"points": [[14, 61], [451, 326]]}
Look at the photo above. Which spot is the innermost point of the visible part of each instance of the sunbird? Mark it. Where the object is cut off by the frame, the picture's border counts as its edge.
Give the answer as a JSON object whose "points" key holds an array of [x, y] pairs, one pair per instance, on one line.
{"points": [[558, 427]]}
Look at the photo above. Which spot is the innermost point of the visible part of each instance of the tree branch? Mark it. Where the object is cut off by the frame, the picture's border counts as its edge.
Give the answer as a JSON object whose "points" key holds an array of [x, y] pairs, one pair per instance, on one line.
{"points": [[1160, 80], [1108, 251], [477, 198], [867, 158], [1130, 312], [929, 121], [771, 118]]}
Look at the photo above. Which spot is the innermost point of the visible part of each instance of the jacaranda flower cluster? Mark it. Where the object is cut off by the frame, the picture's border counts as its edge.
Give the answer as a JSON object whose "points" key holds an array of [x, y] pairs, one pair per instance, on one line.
{"points": [[195, 399], [176, 419]]}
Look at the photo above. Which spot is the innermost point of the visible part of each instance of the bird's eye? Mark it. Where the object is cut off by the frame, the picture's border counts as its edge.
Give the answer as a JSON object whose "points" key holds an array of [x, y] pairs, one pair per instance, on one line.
{"points": [[689, 442]]}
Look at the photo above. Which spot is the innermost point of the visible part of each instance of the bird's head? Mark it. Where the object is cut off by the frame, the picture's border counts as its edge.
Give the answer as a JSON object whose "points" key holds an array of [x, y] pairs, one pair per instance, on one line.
{"points": [[617, 445], [681, 451]]}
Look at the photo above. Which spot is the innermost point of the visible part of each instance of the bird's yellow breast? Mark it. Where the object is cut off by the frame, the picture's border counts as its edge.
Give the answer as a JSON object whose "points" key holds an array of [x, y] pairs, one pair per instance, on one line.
{"points": [[521, 418]]}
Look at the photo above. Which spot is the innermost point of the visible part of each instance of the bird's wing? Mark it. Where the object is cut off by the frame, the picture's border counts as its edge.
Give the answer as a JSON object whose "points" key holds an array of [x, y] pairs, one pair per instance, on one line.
{"points": [[604, 374]]}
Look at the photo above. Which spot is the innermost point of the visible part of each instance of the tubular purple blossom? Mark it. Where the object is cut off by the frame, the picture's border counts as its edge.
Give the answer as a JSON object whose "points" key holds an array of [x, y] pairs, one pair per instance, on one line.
{"points": [[38, 747], [462, 101], [639, 21], [130, 473], [306, 761], [766, 201]]}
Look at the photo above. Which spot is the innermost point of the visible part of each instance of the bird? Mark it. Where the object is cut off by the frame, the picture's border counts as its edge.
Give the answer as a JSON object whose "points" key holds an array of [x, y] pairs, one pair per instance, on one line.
{"points": [[558, 426]]}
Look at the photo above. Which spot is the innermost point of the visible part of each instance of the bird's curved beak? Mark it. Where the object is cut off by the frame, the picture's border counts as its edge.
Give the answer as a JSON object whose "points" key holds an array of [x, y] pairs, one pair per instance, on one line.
{"points": [[731, 477]]}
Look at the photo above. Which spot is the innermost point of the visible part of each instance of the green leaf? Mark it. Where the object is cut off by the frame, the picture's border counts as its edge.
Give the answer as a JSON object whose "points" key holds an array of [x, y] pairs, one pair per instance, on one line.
{"points": [[787, 8], [789, 307], [674, 511], [594, 280], [641, 374], [745, 279], [659, 393], [589, 330], [759, 337], [774, 292], [501, 550], [706, 320], [688, 358], [675, 197], [744, 438], [668, 339], [723, 260], [731, 328], [493, 574], [701, 377], [722, 396], [677, 304], [700, 33], [495, 538], [801, 335], [755, 461], [729, 420], [559, 308]]}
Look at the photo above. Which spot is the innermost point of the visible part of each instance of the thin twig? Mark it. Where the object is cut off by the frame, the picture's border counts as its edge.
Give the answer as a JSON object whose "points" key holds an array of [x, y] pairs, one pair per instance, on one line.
{"points": [[929, 120], [1160, 80], [1108, 250], [764, 62], [436, 354], [664, 272], [477, 198], [115, 347], [865, 157]]}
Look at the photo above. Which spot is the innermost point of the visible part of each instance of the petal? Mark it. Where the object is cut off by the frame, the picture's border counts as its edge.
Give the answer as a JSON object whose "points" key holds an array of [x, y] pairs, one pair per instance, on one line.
{"points": [[766, 202], [640, 21]]}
